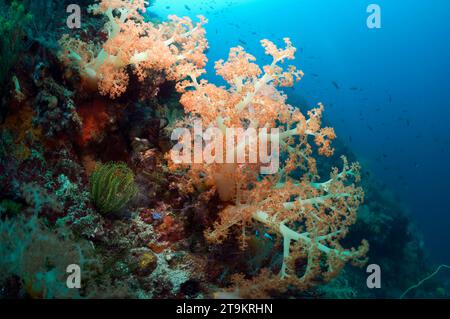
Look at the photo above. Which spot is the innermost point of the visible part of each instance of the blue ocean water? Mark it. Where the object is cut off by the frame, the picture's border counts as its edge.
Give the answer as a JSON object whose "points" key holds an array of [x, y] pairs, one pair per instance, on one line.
{"points": [[385, 90]]}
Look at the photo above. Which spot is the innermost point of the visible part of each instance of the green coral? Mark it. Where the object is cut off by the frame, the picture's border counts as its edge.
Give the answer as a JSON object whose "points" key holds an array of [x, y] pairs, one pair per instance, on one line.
{"points": [[112, 187], [10, 207], [13, 23]]}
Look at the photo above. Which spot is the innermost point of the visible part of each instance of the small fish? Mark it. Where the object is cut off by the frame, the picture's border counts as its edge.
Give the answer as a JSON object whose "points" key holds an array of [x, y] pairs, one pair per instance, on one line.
{"points": [[335, 84], [243, 42], [315, 75], [266, 235], [354, 89], [187, 7], [157, 215]]}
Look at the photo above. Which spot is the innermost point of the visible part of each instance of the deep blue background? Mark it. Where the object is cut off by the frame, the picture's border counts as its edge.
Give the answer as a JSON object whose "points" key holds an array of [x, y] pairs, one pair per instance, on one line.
{"points": [[397, 118]]}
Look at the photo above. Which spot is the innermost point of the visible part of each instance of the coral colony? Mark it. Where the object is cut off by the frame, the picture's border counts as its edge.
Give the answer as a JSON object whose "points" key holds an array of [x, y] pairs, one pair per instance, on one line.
{"points": [[240, 146], [120, 158]]}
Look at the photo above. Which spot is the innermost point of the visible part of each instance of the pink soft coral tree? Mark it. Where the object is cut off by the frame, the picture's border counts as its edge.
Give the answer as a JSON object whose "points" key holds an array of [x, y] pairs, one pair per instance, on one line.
{"points": [[174, 47], [310, 214]]}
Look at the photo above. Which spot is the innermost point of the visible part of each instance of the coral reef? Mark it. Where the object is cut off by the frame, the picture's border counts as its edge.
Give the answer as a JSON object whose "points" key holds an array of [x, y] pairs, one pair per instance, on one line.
{"points": [[86, 175], [173, 47], [54, 107]]}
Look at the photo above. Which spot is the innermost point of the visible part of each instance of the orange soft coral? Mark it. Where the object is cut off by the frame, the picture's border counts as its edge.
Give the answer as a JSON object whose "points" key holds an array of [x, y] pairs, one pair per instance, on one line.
{"points": [[172, 47], [311, 216], [95, 118]]}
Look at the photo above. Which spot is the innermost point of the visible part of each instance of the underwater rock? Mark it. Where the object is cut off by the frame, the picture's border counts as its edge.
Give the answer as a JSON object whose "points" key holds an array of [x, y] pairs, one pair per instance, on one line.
{"points": [[190, 289], [143, 262], [55, 109]]}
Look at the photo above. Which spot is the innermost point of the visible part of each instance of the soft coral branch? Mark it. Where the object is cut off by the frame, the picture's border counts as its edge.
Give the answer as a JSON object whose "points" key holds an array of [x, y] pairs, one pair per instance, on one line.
{"points": [[172, 47]]}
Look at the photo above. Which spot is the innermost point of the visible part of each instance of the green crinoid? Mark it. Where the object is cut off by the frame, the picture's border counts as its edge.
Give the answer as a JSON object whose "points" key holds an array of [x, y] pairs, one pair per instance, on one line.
{"points": [[112, 187]]}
